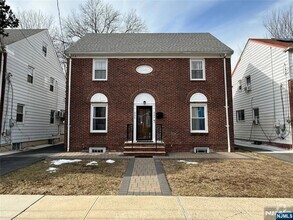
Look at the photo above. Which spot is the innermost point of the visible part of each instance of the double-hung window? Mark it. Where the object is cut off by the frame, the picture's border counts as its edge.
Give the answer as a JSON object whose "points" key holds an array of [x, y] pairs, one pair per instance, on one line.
{"points": [[19, 113], [30, 74], [198, 113], [100, 69], [52, 117], [240, 115], [99, 113], [197, 69], [52, 80]]}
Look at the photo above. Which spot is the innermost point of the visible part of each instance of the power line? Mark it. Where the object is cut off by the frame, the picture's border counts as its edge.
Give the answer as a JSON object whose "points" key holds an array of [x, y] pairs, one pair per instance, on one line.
{"points": [[60, 24]]}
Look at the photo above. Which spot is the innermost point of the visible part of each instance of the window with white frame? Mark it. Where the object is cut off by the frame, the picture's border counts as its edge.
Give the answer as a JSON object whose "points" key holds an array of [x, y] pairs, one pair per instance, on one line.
{"points": [[198, 113], [240, 115], [52, 80], [52, 117], [100, 67], [30, 74], [19, 113], [197, 69], [248, 81], [44, 49], [240, 85], [99, 113], [256, 115]]}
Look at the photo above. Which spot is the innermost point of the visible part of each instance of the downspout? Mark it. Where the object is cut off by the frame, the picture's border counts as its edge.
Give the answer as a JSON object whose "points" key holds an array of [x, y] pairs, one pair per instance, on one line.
{"points": [[68, 105], [2, 88], [226, 106]]}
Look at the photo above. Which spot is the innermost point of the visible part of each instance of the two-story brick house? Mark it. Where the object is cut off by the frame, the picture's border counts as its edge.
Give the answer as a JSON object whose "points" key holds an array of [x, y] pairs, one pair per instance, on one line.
{"points": [[139, 89]]}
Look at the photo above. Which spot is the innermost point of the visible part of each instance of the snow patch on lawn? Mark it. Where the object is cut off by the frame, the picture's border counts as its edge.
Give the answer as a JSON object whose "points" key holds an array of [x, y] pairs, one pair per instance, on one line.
{"points": [[92, 163], [110, 161], [63, 161], [187, 162], [52, 169]]}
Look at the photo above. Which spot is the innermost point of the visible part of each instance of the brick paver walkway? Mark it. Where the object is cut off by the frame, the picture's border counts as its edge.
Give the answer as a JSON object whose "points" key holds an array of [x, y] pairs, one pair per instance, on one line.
{"points": [[144, 176]]}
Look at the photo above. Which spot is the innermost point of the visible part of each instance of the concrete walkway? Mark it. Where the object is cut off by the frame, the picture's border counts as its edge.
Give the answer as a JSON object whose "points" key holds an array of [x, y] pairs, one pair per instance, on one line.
{"points": [[135, 207], [144, 176]]}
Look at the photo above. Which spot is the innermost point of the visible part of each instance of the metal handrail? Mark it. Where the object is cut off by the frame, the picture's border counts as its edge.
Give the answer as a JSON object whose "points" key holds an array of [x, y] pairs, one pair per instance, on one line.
{"points": [[130, 134], [159, 134]]}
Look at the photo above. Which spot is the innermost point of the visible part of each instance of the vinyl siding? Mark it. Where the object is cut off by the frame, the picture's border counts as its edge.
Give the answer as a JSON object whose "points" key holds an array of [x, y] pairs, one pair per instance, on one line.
{"points": [[36, 97], [266, 77]]}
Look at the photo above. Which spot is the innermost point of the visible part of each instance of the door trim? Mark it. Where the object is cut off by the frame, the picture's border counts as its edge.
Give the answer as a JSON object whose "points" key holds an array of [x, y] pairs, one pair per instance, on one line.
{"points": [[137, 107], [144, 99]]}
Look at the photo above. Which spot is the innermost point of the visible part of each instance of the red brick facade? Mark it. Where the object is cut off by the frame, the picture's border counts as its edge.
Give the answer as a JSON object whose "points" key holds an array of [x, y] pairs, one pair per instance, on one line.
{"points": [[169, 84]]}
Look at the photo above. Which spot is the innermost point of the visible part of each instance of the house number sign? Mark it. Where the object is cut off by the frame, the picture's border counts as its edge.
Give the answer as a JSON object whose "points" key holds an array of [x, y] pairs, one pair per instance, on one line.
{"points": [[144, 69]]}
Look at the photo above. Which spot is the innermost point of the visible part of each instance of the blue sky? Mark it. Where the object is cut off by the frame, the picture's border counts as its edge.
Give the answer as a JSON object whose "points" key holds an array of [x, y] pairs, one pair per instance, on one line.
{"points": [[232, 21]]}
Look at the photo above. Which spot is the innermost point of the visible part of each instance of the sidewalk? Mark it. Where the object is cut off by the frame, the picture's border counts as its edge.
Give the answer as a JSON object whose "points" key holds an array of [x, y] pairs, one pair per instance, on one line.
{"points": [[134, 207]]}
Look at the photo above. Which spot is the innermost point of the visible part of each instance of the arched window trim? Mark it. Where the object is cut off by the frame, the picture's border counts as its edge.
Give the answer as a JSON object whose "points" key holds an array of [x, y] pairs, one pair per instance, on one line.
{"points": [[198, 113], [99, 102]]}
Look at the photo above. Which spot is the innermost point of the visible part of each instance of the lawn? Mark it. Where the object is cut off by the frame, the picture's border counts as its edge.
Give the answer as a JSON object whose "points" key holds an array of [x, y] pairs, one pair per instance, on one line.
{"points": [[69, 179], [264, 177]]}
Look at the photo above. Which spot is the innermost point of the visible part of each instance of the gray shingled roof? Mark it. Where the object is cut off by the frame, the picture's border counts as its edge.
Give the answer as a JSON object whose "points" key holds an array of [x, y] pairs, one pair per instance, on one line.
{"points": [[15, 35], [149, 43]]}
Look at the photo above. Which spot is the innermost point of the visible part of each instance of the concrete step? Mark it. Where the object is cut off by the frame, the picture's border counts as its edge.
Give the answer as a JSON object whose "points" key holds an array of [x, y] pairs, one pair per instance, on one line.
{"points": [[144, 153], [144, 148]]}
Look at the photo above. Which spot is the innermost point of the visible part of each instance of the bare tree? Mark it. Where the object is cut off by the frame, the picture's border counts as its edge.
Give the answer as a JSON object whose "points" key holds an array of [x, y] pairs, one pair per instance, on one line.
{"points": [[279, 23], [30, 19], [95, 16]]}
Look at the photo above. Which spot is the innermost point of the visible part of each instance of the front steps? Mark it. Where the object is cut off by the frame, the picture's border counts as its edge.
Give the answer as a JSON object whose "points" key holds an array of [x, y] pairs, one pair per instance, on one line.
{"points": [[144, 149]]}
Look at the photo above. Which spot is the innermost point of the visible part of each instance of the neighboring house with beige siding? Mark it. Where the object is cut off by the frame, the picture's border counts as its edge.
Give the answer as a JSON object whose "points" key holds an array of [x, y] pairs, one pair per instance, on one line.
{"points": [[32, 90], [262, 93]]}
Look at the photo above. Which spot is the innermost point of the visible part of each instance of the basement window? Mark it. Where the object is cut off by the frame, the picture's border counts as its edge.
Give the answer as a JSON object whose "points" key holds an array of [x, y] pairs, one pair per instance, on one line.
{"points": [[97, 150], [16, 146], [201, 150]]}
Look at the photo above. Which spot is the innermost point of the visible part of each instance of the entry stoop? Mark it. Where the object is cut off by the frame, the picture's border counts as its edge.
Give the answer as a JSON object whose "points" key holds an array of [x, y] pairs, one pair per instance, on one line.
{"points": [[144, 149]]}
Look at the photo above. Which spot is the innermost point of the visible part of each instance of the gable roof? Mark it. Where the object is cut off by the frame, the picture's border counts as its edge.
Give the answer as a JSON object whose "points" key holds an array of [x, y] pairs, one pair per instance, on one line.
{"points": [[15, 35], [281, 43], [149, 43], [274, 42]]}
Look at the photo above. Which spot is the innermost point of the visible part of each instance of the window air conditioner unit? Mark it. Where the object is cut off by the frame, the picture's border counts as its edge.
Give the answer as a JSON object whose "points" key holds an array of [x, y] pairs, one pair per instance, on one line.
{"points": [[60, 113], [247, 88]]}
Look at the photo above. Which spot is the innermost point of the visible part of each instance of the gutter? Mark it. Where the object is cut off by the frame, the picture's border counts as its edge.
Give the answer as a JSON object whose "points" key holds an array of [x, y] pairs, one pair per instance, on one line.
{"points": [[226, 106], [68, 105]]}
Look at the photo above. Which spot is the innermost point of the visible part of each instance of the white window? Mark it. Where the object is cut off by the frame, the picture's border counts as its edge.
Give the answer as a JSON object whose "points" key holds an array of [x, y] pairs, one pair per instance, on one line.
{"points": [[255, 115], [52, 80], [44, 50], [52, 117], [100, 69], [30, 74], [19, 112], [240, 85], [240, 116], [99, 113], [197, 69], [248, 81], [198, 113]]}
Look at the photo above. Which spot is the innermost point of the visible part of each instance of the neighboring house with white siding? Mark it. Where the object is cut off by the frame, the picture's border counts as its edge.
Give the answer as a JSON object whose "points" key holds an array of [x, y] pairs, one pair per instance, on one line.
{"points": [[262, 93], [32, 90]]}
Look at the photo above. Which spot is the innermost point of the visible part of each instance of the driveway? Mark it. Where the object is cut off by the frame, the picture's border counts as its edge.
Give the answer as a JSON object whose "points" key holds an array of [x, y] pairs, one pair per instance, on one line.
{"points": [[12, 162], [281, 156]]}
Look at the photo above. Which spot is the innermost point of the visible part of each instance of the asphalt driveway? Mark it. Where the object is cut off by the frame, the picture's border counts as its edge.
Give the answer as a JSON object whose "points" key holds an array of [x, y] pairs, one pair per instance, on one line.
{"points": [[12, 162]]}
